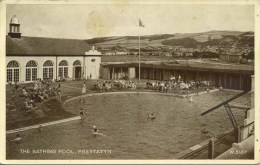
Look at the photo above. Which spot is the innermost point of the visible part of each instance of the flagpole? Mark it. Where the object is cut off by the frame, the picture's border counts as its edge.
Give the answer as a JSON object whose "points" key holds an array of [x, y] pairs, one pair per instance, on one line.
{"points": [[139, 56]]}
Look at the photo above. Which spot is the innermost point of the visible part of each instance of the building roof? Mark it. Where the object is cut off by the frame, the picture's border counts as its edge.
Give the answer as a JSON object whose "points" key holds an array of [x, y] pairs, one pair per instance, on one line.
{"points": [[217, 66], [195, 66], [45, 46]]}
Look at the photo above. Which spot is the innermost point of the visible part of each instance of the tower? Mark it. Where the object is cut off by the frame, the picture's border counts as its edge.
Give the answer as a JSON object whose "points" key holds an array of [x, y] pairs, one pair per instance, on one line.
{"points": [[14, 28]]}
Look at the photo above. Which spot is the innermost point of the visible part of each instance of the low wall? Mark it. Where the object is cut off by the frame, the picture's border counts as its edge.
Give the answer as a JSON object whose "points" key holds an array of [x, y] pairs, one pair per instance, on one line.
{"points": [[136, 92], [43, 125]]}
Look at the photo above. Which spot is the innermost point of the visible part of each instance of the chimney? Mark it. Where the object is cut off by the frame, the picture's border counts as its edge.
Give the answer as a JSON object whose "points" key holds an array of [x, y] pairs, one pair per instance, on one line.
{"points": [[93, 48]]}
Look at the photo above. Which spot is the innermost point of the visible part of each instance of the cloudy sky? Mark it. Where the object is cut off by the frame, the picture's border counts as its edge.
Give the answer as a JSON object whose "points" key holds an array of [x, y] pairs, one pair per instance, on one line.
{"points": [[89, 21]]}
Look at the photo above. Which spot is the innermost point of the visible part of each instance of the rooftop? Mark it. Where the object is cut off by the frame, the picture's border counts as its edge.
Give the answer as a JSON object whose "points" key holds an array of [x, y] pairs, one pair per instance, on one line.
{"points": [[45, 46], [190, 65]]}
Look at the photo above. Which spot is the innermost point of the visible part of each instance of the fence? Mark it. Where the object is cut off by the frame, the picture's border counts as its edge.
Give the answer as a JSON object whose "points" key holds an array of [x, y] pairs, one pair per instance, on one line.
{"points": [[213, 147]]}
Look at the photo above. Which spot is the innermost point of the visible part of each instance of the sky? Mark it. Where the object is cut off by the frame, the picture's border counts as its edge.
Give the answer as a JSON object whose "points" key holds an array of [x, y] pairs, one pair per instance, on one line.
{"points": [[91, 21]]}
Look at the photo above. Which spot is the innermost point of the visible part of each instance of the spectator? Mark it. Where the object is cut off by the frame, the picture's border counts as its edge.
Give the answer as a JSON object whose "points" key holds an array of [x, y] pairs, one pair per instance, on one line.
{"points": [[59, 95], [25, 93], [28, 105], [16, 86]]}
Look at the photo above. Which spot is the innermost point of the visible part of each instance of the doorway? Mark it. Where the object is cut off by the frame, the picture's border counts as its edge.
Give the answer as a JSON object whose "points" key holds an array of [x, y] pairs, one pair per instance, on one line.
{"points": [[77, 72]]}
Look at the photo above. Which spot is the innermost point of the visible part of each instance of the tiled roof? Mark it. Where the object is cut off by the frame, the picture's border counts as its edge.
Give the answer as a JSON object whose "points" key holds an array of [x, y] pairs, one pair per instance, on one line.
{"points": [[45, 46], [217, 66], [214, 67]]}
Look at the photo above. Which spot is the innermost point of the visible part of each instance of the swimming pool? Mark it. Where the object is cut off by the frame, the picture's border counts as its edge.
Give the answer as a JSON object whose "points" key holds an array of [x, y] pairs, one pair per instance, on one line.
{"points": [[129, 133]]}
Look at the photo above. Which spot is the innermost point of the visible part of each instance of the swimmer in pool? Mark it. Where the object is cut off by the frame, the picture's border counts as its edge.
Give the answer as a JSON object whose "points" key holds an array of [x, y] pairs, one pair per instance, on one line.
{"points": [[152, 117], [18, 139], [40, 128], [81, 113], [95, 131]]}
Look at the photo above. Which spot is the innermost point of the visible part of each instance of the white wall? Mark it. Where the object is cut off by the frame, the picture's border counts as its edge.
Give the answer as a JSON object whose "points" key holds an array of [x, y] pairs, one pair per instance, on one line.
{"points": [[93, 67], [90, 67], [131, 72], [38, 59], [70, 60], [250, 115]]}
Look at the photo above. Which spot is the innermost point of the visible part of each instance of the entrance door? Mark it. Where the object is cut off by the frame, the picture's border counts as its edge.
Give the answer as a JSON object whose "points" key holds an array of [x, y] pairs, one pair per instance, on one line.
{"points": [[77, 72]]}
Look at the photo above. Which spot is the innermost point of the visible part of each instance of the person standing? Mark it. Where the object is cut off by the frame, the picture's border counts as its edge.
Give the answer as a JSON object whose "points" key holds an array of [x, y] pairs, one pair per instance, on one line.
{"points": [[81, 113], [59, 94], [35, 86], [83, 90], [16, 86]]}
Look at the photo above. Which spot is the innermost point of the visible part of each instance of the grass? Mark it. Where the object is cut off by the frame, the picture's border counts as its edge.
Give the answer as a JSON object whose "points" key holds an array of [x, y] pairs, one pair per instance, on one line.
{"points": [[46, 111]]}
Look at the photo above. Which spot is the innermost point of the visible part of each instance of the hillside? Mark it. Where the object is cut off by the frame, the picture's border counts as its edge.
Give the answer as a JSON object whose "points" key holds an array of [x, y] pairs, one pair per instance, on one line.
{"points": [[209, 38]]}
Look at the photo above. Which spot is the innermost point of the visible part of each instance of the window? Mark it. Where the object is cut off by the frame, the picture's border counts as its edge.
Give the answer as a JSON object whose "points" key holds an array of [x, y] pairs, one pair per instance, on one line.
{"points": [[77, 63], [13, 71], [31, 71], [48, 70], [63, 69]]}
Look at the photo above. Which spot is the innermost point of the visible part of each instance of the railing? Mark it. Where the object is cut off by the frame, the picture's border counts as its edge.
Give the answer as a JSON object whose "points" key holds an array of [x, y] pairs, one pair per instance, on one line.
{"points": [[208, 149], [250, 131], [213, 147]]}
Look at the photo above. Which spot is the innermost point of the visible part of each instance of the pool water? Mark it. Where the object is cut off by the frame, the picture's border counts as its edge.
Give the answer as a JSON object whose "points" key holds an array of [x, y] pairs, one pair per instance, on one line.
{"points": [[129, 134]]}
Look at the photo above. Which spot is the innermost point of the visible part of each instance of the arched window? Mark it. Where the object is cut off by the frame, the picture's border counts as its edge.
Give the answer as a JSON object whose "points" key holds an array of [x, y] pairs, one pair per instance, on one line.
{"points": [[31, 71], [77, 63], [48, 63], [63, 69], [13, 64], [48, 70], [13, 71], [31, 64]]}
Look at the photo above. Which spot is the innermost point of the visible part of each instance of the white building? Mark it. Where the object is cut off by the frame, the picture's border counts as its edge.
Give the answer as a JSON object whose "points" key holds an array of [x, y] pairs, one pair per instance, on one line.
{"points": [[30, 58]]}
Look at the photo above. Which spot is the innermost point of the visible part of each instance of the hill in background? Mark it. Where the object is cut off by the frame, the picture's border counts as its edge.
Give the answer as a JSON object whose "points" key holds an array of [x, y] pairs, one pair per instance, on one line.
{"points": [[189, 40]]}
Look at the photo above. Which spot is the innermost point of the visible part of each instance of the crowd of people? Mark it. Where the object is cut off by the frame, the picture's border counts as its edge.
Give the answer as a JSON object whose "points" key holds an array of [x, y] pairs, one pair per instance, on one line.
{"points": [[39, 92], [116, 84], [176, 83], [42, 90]]}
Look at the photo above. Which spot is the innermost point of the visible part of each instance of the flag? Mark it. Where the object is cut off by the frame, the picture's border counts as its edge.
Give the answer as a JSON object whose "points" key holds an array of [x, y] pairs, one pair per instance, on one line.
{"points": [[140, 23]]}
